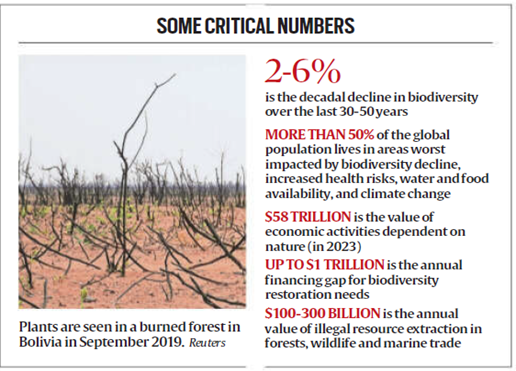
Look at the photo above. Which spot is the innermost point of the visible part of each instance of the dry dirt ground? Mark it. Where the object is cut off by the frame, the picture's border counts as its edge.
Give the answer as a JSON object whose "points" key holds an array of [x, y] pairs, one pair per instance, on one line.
{"points": [[61, 283]]}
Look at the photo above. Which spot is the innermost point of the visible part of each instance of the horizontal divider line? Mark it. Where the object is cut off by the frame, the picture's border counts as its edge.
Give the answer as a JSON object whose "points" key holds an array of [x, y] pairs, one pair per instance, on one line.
{"points": [[263, 42], [231, 367], [306, 367]]}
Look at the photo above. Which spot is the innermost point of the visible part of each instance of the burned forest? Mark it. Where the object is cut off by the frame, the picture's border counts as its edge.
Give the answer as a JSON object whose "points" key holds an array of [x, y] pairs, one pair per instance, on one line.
{"points": [[156, 236]]}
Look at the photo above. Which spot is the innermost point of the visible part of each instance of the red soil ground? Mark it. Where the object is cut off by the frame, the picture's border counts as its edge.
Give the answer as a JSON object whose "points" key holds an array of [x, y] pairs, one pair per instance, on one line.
{"points": [[100, 289]]}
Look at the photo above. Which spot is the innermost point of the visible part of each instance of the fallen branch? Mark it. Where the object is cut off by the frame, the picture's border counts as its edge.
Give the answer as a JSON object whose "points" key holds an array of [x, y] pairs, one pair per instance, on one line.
{"points": [[136, 283]]}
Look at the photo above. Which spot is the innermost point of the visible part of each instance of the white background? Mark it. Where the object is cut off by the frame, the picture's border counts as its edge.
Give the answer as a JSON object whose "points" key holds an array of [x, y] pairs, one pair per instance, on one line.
{"points": [[481, 145]]}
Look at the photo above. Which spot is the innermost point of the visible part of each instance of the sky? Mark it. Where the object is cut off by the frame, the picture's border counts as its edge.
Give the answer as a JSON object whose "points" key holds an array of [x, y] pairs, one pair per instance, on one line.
{"points": [[74, 107]]}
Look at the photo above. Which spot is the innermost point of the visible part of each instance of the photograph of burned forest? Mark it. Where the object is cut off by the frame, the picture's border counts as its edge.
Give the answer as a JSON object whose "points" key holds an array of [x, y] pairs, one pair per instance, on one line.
{"points": [[132, 182]]}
